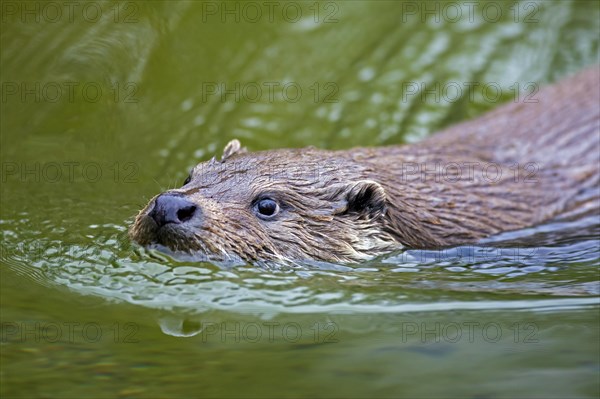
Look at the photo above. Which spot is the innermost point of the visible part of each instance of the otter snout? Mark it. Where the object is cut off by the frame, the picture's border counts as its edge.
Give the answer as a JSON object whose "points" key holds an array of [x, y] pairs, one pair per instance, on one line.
{"points": [[172, 208]]}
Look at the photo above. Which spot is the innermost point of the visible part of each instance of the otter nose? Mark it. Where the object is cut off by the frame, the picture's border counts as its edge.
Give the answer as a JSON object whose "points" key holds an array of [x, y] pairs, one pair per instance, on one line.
{"points": [[169, 208]]}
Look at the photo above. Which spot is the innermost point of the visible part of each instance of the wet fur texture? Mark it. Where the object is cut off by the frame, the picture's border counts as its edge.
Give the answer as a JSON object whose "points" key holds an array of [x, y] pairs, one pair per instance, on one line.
{"points": [[349, 206]]}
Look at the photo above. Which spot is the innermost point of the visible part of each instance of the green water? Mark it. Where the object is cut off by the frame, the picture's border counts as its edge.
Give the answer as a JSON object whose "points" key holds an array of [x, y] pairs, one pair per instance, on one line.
{"points": [[105, 104]]}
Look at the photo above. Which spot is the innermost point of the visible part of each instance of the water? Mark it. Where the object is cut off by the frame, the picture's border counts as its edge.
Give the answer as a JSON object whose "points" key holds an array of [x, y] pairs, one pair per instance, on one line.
{"points": [[157, 87]]}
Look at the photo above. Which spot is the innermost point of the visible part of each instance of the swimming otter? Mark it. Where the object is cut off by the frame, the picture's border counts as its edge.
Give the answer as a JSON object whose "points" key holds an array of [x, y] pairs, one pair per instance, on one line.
{"points": [[516, 166]]}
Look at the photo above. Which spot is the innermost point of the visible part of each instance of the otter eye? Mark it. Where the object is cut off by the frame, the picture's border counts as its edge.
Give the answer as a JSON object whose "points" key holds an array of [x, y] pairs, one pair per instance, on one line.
{"points": [[187, 180], [267, 207]]}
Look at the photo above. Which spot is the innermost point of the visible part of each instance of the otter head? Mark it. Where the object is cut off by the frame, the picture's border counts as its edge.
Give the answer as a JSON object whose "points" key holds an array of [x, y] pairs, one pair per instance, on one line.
{"points": [[272, 205]]}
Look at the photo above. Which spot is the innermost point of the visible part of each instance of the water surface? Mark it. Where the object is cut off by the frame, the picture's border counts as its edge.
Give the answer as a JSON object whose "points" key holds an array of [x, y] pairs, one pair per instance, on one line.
{"points": [[159, 86]]}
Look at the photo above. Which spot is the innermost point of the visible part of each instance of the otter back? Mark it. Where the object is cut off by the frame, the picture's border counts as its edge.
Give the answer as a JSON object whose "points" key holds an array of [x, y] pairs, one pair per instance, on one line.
{"points": [[516, 166]]}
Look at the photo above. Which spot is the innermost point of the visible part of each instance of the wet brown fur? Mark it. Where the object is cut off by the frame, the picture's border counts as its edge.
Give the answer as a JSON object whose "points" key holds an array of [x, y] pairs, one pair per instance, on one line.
{"points": [[349, 206]]}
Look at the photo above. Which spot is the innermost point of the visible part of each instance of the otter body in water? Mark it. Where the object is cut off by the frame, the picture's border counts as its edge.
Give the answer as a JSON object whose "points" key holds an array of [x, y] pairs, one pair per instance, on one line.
{"points": [[517, 166]]}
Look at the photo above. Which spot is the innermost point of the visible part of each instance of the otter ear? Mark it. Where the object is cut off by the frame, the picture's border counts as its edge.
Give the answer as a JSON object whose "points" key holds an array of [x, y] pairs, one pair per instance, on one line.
{"points": [[365, 197], [233, 147]]}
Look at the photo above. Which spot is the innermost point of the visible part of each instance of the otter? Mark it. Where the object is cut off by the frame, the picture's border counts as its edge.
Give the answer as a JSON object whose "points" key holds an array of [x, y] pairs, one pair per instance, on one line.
{"points": [[517, 166]]}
